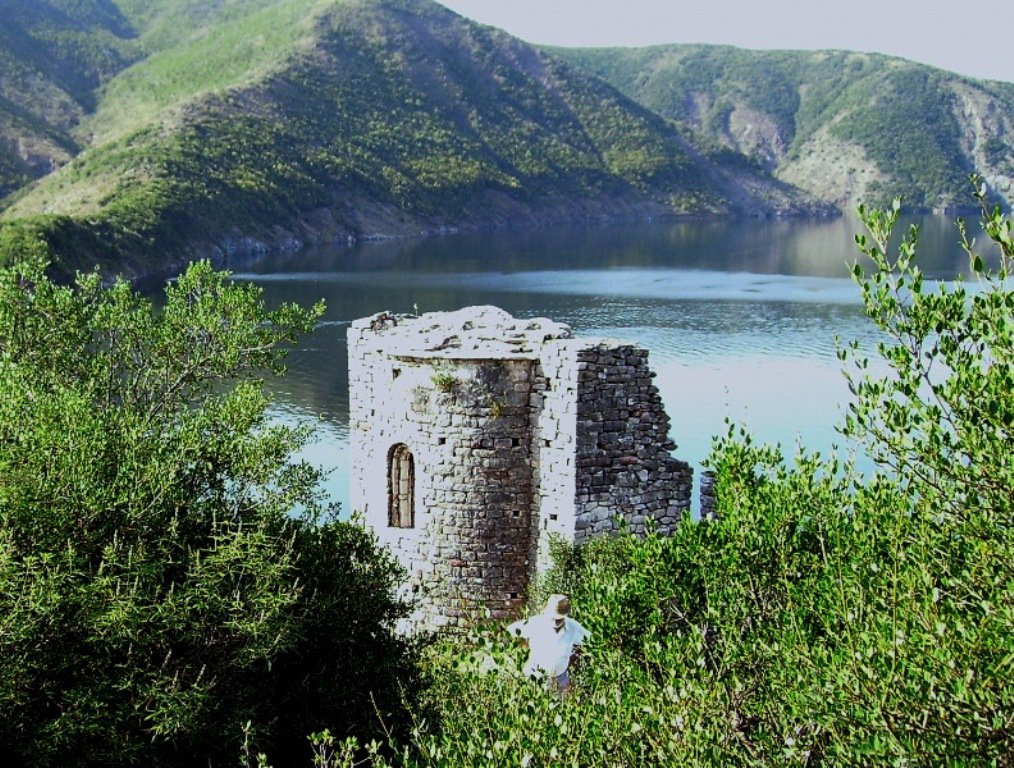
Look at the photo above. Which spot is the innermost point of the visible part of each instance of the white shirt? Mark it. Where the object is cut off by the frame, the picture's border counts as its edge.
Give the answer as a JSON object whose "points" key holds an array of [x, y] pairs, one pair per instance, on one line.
{"points": [[548, 650]]}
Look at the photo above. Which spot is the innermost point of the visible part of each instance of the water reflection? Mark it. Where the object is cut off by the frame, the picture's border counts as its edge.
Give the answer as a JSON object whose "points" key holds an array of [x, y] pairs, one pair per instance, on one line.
{"points": [[821, 248]]}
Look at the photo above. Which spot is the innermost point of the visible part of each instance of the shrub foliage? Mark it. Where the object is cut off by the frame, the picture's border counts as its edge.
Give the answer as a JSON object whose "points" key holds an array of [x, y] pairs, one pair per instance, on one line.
{"points": [[159, 603], [826, 617]]}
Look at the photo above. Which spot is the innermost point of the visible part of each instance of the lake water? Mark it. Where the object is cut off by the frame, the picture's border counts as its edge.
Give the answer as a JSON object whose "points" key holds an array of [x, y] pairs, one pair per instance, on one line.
{"points": [[740, 318]]}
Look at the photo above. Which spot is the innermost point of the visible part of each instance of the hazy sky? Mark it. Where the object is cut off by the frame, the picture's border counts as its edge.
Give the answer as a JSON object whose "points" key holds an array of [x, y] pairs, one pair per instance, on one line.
{"points": [[973, 38]]}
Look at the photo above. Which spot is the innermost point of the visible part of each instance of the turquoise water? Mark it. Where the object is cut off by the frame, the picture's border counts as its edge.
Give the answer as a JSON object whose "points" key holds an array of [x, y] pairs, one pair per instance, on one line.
{"points": [[740, 319]]}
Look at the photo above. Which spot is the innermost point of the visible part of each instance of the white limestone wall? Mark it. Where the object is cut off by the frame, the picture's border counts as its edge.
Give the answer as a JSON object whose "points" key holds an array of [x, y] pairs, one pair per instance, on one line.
{"points": [[384, 410], [467, 422]]}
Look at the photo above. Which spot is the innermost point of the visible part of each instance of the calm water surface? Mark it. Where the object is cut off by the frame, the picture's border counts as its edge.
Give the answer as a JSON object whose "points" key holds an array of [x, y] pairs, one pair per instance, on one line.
{"points": [[740, 318]]}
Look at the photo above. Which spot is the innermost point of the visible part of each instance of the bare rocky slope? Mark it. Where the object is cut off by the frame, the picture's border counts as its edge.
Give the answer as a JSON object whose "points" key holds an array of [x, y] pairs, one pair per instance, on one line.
{"points": [[846, 127]]}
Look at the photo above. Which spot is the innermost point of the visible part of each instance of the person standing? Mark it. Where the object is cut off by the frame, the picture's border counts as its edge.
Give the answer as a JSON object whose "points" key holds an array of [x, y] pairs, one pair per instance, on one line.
{"points": [[553, 639]]}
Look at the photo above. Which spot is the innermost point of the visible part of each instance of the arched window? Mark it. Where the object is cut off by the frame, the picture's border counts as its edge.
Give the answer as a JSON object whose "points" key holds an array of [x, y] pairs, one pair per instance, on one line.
{"points": [[400, 487]]}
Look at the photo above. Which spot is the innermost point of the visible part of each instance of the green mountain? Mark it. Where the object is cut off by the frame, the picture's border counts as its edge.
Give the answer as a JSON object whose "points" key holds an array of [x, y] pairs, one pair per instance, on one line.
{"points": [[138, 134], [843, 126], [247, 125], [53, 56]]}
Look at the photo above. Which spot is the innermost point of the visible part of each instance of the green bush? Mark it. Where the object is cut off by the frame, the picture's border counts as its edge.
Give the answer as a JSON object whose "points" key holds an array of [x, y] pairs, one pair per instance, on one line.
{"points": [[812, 623], [160, 602], [943, 419]]}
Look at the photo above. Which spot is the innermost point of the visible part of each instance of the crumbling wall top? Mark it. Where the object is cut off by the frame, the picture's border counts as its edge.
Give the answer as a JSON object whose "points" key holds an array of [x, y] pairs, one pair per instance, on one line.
{"points": [[472, 333]]}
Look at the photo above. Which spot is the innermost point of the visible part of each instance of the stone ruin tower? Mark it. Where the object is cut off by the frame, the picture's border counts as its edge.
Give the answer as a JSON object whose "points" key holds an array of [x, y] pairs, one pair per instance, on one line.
{"points": [[476, 436]]}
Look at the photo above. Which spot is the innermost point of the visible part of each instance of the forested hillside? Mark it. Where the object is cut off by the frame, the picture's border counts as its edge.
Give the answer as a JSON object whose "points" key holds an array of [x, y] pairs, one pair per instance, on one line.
{"points": [[843, 126], [139, 134], [275, 123], [52, 58]]}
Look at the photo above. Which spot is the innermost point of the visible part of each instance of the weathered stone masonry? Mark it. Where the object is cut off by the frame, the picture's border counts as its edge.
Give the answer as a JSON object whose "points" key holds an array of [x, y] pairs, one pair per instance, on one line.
{"points": [[497, 433], [623, 462]]}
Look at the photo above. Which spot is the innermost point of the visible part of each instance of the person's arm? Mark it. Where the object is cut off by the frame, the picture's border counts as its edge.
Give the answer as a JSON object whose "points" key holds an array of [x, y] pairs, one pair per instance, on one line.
{"points": [[519, 630], [578, 649]]}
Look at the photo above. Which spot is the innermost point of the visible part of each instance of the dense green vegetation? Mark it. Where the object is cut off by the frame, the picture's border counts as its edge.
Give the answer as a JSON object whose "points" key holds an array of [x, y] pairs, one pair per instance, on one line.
{"points": [[53, 56], [903, 116], [172, 589], [920, 149], [825, 618], [201, 49], [75, 45]]}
